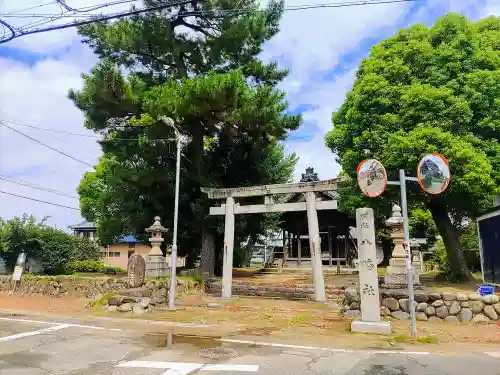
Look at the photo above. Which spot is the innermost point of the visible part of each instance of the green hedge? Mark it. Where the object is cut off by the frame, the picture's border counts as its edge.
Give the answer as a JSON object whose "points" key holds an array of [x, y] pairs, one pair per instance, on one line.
{"points": [[93, 266]]}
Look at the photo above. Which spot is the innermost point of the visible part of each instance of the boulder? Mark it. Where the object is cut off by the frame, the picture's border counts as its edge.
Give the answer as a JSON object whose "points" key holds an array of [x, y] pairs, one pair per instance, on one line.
{"points": [[430, 311], [490, 299], [476, 306], [435, 319], [442, 312], [159, 297], [400, 315], [353, 314], [447, 303], [384, 311], [136, 292], [480, 319], [449, 296], [454, 309], [421, 296], [422, 306], [126, 307], [354, 306], [422, 317], [451, 319], [434, 296], [437, 303], [462, 297], [399, 294], [490, 312], [465, 304], [391, 303], [387, 294], [466, 315], [497, 307], [144, 302], [352, 295], [112, 308], [115, 301], [474, 297], [404, 304], [138, 309]]}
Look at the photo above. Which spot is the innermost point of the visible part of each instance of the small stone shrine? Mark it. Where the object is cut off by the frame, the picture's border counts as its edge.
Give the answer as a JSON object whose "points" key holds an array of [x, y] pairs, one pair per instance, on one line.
{"points": [[396, 277], [156, 265], [136, 269]]}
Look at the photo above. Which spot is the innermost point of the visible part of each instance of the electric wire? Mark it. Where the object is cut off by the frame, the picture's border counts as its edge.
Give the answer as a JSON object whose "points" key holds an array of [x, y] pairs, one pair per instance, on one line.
{"points": [[39, 200], [46, 145], [37, 187], [216, 13]]}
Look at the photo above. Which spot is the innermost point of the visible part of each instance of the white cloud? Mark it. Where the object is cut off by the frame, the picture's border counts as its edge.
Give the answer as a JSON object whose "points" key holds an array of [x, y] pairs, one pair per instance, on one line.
{"points": [[36, 95]]}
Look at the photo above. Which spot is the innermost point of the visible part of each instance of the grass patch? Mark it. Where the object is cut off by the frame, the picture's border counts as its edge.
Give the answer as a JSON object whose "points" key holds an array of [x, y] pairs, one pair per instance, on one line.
{"points": [[300, 319], [428, 339], [103, 300]]}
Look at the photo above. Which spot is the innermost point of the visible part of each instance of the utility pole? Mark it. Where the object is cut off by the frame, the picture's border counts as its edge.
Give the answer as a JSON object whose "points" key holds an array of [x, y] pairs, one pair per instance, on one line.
{"points": [[171, 295]]}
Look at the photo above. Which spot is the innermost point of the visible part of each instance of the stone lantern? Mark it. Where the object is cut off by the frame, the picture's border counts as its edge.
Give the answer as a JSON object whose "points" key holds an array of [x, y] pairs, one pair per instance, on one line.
{"points": [[396, 276], [156, 265]]}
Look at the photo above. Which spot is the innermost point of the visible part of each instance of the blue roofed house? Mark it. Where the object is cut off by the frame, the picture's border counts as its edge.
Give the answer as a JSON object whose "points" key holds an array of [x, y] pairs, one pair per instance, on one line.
{"points": [[117, 254]]}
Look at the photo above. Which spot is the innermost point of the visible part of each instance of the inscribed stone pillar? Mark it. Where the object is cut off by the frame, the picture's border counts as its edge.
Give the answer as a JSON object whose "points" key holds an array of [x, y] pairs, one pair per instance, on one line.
{"points": [[368, 278], [227, 268], [315, 246]]}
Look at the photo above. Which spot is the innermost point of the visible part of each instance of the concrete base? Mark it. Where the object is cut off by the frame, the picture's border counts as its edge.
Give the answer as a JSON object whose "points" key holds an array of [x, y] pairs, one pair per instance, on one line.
{"points": [[156, 266], [378, 328]]}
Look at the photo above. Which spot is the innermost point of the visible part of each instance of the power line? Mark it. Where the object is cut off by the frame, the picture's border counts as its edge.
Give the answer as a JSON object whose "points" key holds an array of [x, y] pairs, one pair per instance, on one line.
{"points": [[46, 145], [216, 13], [38, 200], [80, 134], [38, 187]]}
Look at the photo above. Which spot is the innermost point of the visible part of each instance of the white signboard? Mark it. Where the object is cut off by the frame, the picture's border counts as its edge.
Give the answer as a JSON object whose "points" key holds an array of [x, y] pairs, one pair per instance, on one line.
{"points": [[433, 173], [18, 271], [372, 178]]}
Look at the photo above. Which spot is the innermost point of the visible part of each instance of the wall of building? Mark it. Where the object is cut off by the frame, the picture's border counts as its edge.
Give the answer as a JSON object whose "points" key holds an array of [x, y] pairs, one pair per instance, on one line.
{"points": [[117, 255]]}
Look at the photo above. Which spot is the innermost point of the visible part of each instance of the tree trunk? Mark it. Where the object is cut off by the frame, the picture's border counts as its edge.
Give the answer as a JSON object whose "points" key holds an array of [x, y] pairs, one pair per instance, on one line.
{"points": [[207, 256], [451, 239], [248, 252]]}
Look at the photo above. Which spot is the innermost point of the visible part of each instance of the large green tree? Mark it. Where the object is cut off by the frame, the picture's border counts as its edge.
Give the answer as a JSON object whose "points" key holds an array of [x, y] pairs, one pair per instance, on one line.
{"points": [[198, 64], [430, 90], [53, 248]]}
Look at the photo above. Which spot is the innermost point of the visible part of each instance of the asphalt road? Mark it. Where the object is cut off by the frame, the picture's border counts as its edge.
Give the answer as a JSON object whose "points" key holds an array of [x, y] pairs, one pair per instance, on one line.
{"points": [[65, 347]]}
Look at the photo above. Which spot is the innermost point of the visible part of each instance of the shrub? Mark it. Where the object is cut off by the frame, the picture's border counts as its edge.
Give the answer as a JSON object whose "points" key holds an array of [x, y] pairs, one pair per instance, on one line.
{"points": [[86, 266]]}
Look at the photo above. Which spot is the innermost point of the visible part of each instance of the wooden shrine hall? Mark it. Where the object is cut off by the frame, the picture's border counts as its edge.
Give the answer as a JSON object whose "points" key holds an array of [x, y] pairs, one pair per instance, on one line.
{"points": [[337, 245]]}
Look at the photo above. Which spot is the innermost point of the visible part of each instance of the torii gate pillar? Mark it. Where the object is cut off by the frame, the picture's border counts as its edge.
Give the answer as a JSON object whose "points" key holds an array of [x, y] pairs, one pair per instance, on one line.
{"points": [[227, 266]]}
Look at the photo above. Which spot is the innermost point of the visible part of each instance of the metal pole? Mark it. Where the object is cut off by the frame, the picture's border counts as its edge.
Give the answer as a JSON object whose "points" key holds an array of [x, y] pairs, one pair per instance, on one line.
{"points": [[171, 294], [409, 268]]}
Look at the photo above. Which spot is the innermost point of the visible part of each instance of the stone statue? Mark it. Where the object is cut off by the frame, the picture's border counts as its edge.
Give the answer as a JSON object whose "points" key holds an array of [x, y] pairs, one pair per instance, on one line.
{"points": [[136, 270]]}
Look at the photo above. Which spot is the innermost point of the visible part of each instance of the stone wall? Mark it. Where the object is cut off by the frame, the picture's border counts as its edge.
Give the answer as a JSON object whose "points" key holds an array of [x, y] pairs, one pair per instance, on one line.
{"points": [[290, 292], [89, 287], [431, 306]]}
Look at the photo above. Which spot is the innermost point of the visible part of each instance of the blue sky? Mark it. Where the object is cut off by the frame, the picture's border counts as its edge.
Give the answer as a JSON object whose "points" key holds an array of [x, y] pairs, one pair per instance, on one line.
{"points": [[322, 49]]}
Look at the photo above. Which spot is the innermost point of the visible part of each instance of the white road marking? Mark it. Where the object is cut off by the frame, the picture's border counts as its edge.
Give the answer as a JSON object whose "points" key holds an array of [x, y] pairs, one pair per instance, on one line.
{"points": [[179, 368], [493, 354], [57, 323], [333, 350], [33, 333], [227, 367]]}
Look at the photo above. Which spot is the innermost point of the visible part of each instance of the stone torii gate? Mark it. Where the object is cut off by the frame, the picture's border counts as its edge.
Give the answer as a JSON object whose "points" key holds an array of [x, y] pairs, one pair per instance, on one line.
{"points": [[311, 205]]}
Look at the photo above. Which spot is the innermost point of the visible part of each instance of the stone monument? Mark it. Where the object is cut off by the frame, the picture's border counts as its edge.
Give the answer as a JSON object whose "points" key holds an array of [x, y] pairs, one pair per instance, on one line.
{"points": [[136, 269], [156, 265], [396, 277], [368, 278]]}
